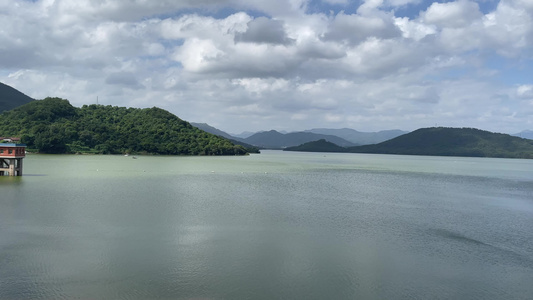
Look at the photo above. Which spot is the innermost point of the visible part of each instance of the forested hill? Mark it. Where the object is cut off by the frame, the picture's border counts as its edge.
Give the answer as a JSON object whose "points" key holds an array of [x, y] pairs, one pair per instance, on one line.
{"points": [[11, 98], [53, 125], [453, 142]]}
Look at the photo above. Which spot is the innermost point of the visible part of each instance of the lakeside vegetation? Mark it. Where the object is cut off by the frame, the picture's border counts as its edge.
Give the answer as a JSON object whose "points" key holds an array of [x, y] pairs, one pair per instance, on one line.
{"points": [[53, 125], [440, 141]]}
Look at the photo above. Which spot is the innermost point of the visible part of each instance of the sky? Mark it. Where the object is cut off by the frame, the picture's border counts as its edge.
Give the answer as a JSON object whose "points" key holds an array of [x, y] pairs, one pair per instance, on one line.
{"points": [[251, 65]]}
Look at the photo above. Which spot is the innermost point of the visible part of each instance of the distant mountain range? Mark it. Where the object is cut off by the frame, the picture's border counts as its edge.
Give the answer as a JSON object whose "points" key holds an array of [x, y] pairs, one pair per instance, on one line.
{"points": [[439, 141], [358, 137], [277, 140], [244, 134], [274, 139], [11, 98], [526, 134]]}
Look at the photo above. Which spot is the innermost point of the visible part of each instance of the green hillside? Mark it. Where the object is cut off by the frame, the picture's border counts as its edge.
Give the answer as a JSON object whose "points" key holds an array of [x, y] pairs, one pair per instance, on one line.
{"points": [[317, 146], [453, 142], [11, 98], [53, 125]]}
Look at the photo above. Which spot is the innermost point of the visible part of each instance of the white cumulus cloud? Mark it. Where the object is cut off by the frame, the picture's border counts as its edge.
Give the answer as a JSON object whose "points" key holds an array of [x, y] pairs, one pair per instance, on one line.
{"points": [[280, 64]]}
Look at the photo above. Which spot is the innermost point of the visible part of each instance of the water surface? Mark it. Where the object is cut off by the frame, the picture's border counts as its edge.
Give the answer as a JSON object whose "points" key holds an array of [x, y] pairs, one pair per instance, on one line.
{"points": [[272, 226]]}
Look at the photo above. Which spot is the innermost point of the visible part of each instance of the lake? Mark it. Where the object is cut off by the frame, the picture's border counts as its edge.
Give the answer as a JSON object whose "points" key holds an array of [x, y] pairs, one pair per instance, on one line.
{"points": [[277, 225]]}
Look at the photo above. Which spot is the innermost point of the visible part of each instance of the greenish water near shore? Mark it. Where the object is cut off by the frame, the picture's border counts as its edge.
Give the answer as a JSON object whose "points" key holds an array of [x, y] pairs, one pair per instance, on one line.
{"points": [[272, 226]]}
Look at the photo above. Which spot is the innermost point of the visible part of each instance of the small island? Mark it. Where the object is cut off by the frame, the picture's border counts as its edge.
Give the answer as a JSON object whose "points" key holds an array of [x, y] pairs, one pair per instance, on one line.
{"points": [[317, 146]]}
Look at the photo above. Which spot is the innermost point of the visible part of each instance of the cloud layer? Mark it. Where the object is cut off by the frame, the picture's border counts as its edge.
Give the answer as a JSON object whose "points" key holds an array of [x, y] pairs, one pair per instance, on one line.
{"points": [[283, 64]]}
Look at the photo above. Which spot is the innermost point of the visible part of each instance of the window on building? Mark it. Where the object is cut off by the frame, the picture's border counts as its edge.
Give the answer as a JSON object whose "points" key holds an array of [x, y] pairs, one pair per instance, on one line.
{"points": [[10, 151]]}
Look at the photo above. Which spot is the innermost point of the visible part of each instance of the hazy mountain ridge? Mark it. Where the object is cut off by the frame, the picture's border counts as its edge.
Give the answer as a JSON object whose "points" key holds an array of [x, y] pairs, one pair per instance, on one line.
{"points": [[525, 134], [237, 141], [344, 137], [276, 140], [11, 98], [244, 134], [358, 137], [207, 128]]}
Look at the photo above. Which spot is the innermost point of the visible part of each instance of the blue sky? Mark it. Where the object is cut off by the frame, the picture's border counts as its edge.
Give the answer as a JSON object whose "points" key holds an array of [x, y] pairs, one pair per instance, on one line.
{"points": [[250, 65]]}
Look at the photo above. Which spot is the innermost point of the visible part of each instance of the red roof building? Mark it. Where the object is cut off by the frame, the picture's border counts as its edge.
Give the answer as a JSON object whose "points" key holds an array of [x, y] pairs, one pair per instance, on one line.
{"points": [[11, 156], [12, 150]]}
